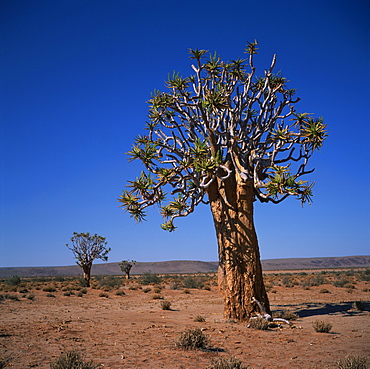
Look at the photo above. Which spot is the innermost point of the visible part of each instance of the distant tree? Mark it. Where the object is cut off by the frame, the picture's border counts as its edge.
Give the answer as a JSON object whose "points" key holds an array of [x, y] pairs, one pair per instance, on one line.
{"points": [[86, 248], [225, 137], [126, 266]]}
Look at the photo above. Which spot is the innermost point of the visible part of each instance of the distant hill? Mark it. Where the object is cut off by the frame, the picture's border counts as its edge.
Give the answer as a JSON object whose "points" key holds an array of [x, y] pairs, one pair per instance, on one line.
{"points": [[187, 266]]}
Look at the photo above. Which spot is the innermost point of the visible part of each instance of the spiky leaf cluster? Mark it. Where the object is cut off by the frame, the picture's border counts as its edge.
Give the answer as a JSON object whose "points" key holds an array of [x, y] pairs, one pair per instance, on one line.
{"points": [[220, 121]]}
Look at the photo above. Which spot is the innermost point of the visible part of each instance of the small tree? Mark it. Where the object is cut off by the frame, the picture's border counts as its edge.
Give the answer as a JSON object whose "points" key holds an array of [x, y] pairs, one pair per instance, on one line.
{"points": [[126, 266], [86, 249], [225, 137]]}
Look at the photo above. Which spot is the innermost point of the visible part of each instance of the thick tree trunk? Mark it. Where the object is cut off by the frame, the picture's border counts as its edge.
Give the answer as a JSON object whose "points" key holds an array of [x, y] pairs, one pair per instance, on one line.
{"points": [[87, 274], [240, 273]]}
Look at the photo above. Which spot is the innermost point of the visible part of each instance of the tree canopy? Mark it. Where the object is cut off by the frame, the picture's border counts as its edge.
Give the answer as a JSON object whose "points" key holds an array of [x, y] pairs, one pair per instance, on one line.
{"points": [[222, 119], [86, 248]]}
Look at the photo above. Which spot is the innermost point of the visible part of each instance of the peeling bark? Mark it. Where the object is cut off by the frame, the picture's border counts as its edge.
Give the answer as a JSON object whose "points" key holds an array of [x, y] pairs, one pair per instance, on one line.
{"points": [[240, 274]]}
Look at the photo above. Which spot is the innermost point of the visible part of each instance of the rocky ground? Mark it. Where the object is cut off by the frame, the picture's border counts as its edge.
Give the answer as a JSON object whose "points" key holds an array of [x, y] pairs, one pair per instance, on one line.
{"points": [[131, 330]]}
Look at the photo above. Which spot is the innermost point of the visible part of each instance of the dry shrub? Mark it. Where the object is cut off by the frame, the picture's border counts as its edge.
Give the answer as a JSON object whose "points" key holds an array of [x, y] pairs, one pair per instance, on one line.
{"points": [[165, 305], [258, 323], [8, 296], [200, 319], [286, 314], [321, 327], [230, 362], [352, 362], [192, 339], [49, 289], [288, 281], [72, 360]]}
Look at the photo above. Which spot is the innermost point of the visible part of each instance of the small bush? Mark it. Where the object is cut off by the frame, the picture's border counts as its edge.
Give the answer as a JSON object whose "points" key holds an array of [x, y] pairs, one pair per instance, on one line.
{"points": [[193, 282], [259, 323], [146, 290], [79, 294], [157, 297], [109, 282], [13, 281], [10, 289], [157, 290], [102, 294], [321, 327], [49, 289], [225, 363], [200, 319], [31, 296], [341, 282], [82, 282], [165, 305], [59, 279], [186, 291], [286, 314], [72, 360], [324, 290], [352, 362], [192, 339], [318, 280], [9, 296], [150, 278], [50, 295], [287, 282], [120, 293], [68, 293]]}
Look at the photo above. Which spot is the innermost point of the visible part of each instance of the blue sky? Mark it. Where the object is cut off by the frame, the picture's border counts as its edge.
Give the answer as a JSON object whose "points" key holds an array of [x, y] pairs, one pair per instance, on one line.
{"points": [[75, 78]]}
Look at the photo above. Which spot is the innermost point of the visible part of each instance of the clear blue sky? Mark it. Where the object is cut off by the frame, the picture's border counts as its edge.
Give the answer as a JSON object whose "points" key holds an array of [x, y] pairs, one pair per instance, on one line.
{"points": [[75, 78]]}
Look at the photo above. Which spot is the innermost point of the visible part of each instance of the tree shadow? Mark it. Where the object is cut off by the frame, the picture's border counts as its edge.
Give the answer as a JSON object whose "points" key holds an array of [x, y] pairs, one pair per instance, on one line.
{"points": [[313, 309]]}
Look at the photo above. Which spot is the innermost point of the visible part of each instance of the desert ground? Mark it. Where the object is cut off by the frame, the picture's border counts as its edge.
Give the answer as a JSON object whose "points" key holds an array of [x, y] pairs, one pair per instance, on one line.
{"points": [[121, 324]]}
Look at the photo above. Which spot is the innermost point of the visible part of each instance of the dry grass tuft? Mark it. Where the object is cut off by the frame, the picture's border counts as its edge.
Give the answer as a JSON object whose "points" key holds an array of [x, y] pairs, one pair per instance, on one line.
{"points": [[230, 362], [192, 339], [352, 362], [321, 327]]}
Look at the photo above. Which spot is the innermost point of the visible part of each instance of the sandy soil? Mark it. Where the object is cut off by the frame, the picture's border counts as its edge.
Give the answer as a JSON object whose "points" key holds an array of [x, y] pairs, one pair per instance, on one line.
{"points": [[132, 331]]}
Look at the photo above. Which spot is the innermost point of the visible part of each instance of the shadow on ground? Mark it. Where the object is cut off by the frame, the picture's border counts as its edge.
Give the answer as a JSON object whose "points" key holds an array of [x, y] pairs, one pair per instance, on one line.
{"points": [[313, 309]]}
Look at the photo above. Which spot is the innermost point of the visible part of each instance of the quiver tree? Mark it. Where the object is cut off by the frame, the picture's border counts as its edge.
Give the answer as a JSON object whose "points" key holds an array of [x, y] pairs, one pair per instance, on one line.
{"points": [[86, 249], [126, 266], [225, 137]]}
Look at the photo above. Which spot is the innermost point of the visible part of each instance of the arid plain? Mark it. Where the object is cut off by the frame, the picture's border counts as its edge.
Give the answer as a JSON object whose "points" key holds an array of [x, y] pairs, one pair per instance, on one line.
{"points": [[121, 324]]}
